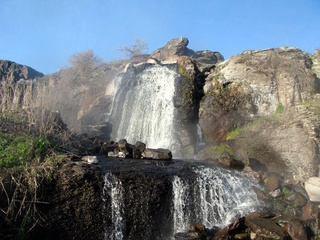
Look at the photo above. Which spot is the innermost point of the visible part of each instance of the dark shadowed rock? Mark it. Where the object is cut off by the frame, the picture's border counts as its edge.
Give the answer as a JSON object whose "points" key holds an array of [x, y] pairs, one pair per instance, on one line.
{"points": [[296, 199], [186, 236], [140, 146]]}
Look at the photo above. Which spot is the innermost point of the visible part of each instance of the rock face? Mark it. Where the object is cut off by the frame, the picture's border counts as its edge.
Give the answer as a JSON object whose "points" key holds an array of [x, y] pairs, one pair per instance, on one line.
{"points": [[265, 101], [15, 91], [74, 206], [13, 72], [255, 84]]}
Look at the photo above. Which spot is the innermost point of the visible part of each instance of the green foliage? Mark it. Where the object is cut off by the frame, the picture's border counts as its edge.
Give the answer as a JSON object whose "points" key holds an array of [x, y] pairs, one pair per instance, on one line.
{"points": [[22, 230], [220, 149], [234, 133], [25, 161], [17, 151], [286, 191], [280, 108]]}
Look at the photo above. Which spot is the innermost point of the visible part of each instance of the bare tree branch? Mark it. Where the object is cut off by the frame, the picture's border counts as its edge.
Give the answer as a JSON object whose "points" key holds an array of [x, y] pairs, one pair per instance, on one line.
{"points": [[136, 49]]}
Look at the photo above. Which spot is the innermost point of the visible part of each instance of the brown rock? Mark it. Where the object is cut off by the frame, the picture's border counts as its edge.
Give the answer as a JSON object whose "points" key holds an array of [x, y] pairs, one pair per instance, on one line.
{"points": [[186, 236], [309, 212], [264, 227], [229, 161], [296, 199], [241, 236], [221, 234], [296, 230], [271, 183]]}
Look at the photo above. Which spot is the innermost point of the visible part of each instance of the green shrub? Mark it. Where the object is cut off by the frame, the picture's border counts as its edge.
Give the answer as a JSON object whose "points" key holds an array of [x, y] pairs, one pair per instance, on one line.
{"points": [[234, 133], [20, 150], [220, 149], [280, 108]]}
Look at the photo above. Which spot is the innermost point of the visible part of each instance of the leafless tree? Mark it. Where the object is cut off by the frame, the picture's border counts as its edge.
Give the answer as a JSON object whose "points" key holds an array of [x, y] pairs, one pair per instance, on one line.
{"points": [[136, 49], [84, 63]]}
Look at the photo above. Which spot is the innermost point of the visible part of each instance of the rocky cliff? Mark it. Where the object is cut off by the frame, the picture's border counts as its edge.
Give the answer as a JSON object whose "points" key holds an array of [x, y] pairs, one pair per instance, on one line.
{"points": [[270, 97], [13, 72]]}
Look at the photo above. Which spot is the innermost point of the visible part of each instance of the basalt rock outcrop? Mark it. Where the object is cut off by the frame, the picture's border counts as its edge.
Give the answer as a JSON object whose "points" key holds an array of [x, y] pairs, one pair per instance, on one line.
{"points": [[13, 72], [266, 102], [178, 47]]}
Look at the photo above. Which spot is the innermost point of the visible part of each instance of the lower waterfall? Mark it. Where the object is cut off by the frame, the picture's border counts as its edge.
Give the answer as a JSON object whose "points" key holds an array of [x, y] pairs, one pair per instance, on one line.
{"points": [[153, 201], [113, 187], [216, 197]]}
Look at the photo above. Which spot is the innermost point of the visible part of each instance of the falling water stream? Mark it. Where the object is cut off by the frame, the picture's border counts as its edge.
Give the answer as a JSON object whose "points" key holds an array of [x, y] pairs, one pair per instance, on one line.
{"points": [[211, 195], [180, 193], [143, 107]]}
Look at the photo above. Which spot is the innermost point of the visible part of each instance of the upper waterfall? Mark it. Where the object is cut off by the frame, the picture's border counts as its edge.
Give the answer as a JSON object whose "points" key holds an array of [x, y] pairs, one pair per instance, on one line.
{"points": [[143, 108]]}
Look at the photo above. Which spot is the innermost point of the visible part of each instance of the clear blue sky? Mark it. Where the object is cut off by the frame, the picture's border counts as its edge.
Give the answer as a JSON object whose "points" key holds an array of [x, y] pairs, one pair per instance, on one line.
{"points": [[43, 34]]}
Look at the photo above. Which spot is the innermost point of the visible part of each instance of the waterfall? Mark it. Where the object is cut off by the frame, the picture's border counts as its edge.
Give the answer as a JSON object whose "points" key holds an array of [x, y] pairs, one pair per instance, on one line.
{"points": [[113, 190], [216, 198], [199, 139], [143, 106], [153, 201], [180, 201]]}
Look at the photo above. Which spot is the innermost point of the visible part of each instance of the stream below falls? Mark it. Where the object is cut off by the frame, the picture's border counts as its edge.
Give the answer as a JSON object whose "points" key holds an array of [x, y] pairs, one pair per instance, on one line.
{"points": [[147, 199]]}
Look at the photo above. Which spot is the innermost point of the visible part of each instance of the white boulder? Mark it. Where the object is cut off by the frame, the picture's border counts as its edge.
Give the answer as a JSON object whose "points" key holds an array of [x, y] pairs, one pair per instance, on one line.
{"points": [[91, 159], [312, 186]]}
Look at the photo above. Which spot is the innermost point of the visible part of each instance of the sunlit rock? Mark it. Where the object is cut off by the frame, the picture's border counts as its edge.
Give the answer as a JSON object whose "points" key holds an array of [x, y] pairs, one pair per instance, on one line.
{"points": [[91, 159], [312, 186]]}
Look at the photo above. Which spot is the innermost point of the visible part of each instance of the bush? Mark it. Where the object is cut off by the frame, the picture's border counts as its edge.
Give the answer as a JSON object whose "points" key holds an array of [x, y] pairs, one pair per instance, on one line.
{"points": [[136, 49], [20, 150], [25, 162]]}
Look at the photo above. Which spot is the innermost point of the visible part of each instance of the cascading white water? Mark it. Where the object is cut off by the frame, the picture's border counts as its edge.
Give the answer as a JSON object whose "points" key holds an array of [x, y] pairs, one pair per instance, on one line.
{"points": [[216, 198], [147, 108], [181, 211], [113, 189], [199, 139]]}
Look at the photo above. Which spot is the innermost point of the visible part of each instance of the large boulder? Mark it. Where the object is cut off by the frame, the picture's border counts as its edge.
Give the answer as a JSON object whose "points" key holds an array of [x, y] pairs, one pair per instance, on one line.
{"points": [[178, 47], [159, 154], [175, 47]]}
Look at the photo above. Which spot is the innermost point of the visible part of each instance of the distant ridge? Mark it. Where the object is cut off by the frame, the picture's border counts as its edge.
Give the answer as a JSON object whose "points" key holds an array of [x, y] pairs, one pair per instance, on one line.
{"points": [[14, 72]]}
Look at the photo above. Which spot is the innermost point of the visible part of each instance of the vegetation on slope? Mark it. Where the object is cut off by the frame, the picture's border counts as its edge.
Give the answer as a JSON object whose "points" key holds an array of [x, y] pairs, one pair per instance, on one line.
{"points": [[27, 158]]}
